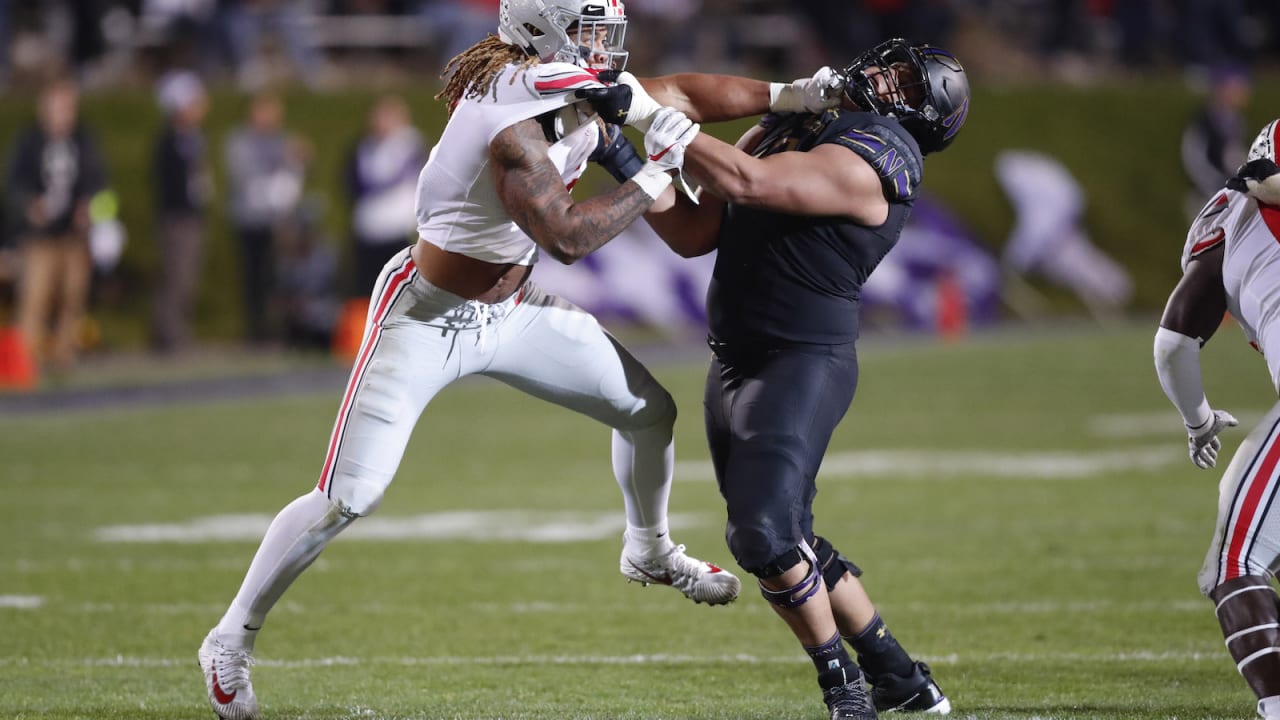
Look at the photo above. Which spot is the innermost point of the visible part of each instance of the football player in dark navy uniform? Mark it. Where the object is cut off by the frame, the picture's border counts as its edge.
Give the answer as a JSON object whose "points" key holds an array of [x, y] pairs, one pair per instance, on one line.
{"points": [[802, 212]]}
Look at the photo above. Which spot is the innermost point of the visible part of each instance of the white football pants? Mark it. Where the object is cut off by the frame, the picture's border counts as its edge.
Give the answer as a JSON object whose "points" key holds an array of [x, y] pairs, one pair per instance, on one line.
{"points": [[1247, 538], [418, 339]]}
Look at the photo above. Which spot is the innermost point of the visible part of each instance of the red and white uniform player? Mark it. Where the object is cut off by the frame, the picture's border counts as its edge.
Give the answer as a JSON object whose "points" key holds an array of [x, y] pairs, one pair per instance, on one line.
{"points": [[1231, 263], [490, 320]]}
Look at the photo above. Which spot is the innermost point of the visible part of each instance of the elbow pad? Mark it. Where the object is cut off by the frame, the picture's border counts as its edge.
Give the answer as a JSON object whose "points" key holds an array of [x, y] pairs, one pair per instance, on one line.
{"points": [[1177, 359]]}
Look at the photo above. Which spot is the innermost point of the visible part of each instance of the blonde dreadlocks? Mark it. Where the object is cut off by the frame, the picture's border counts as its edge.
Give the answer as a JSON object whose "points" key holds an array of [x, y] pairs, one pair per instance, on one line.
{"points": [[471, 73]]}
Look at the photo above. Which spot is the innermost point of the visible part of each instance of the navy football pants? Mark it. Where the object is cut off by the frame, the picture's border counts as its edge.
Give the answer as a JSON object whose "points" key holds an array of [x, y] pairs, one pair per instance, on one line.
{"points": [[770, 412]]}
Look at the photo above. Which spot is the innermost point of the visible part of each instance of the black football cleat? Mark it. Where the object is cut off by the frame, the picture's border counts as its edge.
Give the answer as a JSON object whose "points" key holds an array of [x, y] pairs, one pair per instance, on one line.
{"points": [[916, 692], [845, 694]]}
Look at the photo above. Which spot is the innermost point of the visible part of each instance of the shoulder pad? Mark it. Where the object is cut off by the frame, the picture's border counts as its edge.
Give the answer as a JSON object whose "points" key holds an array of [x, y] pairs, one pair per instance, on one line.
{"points": [[886, 146], [555, 78], [1207, 230]]}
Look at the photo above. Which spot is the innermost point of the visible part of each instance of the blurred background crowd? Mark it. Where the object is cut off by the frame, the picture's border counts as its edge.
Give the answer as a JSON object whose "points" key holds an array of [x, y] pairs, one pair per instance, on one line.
{"points": [[161, 194]]}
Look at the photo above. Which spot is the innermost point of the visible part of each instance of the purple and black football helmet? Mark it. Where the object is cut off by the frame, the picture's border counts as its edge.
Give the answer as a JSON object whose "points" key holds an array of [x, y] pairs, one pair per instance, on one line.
{"points": [[932, 96]]}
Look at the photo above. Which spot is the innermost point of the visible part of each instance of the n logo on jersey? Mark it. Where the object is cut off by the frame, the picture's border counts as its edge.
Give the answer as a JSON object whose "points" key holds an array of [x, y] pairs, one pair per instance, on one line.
{"points": [[889, 162]]}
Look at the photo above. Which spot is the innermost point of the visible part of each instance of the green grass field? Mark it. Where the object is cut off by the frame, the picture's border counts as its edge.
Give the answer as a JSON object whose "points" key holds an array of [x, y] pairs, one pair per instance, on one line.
{"points": [[1021, 503]]}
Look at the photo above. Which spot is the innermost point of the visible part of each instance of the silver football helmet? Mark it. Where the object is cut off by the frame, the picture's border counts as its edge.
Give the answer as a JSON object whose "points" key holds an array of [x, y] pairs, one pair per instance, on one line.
{"points": [[573, 31], [1264, 146]]}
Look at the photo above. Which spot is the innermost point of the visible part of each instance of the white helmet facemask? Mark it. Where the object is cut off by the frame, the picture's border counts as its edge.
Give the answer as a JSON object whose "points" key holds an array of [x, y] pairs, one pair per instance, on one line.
{"points": [[587, 33]]}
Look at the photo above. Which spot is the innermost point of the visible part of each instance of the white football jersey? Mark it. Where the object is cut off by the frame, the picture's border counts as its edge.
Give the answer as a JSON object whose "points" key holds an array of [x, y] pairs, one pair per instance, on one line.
{"points": [[457, 205], [1250, 266]]}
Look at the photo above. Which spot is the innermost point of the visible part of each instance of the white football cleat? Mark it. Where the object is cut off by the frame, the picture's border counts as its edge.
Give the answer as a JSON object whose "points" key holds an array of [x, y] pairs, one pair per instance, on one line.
{"points": [[700, 581], [226, 677]]}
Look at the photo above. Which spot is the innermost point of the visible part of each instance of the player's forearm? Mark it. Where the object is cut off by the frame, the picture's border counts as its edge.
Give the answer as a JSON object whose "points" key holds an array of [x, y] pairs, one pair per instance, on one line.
{"points": [[689, 230], [723, 170], [582, 228], [710, 98], [1177, 360]]}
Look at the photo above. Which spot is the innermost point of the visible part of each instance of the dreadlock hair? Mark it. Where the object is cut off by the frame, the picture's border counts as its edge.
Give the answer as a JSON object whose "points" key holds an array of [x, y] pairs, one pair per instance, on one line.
{"points": [[471, 73]]}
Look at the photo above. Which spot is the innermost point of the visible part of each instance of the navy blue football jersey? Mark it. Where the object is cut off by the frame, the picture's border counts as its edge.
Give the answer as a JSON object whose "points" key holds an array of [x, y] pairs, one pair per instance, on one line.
{"points": [[793, 278]]}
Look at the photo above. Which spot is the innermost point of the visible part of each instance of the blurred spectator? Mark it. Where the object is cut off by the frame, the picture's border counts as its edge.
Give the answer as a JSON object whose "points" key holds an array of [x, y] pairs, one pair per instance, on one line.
{"points": [[6, 38], [1214, 142], [458, 24], [1213, 31], [666, 36], [243, 22], [55, 169], [192, 35], [847, 28], [382, 182], [266, 167], [183, 189], [1049, 239]]}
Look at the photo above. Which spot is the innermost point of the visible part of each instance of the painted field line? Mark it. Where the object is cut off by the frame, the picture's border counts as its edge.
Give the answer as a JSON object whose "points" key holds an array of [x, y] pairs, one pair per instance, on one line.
{"points": [[1215, 655], [21, 602], [472, 525], [924, 464]]}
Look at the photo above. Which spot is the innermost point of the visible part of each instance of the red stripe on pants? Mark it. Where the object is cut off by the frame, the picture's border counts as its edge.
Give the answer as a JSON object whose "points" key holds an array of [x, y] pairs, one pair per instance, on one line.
{"points": [[394, 283], [1248, 510]]}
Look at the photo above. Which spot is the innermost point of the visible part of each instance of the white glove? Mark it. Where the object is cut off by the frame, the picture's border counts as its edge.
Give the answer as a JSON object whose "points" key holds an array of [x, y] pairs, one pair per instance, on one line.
{"points": [[1202, 441], [643, 106], [669, 134], [814, 94]]}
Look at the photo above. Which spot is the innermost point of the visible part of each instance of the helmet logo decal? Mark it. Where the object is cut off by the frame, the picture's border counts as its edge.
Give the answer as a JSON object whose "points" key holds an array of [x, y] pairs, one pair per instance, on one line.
{"points": [[956, 119]]}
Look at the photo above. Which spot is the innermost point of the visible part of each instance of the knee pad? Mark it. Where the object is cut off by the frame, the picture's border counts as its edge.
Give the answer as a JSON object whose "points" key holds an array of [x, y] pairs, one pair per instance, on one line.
{"points": [[798, 594], [831, 563], [354, 496], [659, 408]]}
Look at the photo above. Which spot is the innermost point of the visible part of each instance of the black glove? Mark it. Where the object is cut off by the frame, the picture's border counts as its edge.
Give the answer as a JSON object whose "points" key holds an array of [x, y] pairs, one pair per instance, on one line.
{"points": [[1256, 170], [615, 153], [610, 103]]}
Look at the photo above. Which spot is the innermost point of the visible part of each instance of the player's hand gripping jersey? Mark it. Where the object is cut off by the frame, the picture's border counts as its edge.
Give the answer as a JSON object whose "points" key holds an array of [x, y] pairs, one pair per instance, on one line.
{"points": [[783, 277], [1250, 232], [458, 206]]}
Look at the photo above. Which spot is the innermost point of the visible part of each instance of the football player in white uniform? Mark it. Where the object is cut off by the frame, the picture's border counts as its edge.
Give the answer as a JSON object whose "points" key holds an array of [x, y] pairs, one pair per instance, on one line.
{"points": [[1231, 263], [493, 195]]}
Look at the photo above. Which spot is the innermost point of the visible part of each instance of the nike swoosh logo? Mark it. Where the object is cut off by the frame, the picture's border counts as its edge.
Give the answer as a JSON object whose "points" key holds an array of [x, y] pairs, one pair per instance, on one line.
{"points": [[221, 695], [665, 150]]}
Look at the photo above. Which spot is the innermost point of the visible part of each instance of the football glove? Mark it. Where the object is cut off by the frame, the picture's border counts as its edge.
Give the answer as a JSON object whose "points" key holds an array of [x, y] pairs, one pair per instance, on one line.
{"points": [[643, 107], [814, 94], [610, 103], [669, 134], [1258, 178], [616, 154], [1203, 443]]}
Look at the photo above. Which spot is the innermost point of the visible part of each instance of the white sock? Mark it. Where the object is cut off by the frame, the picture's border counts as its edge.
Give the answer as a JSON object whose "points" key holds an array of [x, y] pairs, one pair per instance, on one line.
{"points": [[292, 543], [1269, 707], [647, 542], [643, 463]]}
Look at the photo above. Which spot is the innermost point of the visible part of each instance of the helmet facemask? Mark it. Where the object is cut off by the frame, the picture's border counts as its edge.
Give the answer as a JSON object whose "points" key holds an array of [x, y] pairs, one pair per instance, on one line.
{"points": [[896, 79], [586, 33]]}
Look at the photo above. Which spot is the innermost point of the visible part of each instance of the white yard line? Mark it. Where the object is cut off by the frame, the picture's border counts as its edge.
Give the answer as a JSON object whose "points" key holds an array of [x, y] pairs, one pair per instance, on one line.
{"points": [[472, 525], [21, 602], [925, 464], [565, 527]]}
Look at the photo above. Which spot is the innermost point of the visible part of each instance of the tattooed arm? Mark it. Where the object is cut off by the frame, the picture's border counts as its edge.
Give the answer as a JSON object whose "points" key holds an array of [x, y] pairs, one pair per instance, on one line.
{"points": [[535, 197]]}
